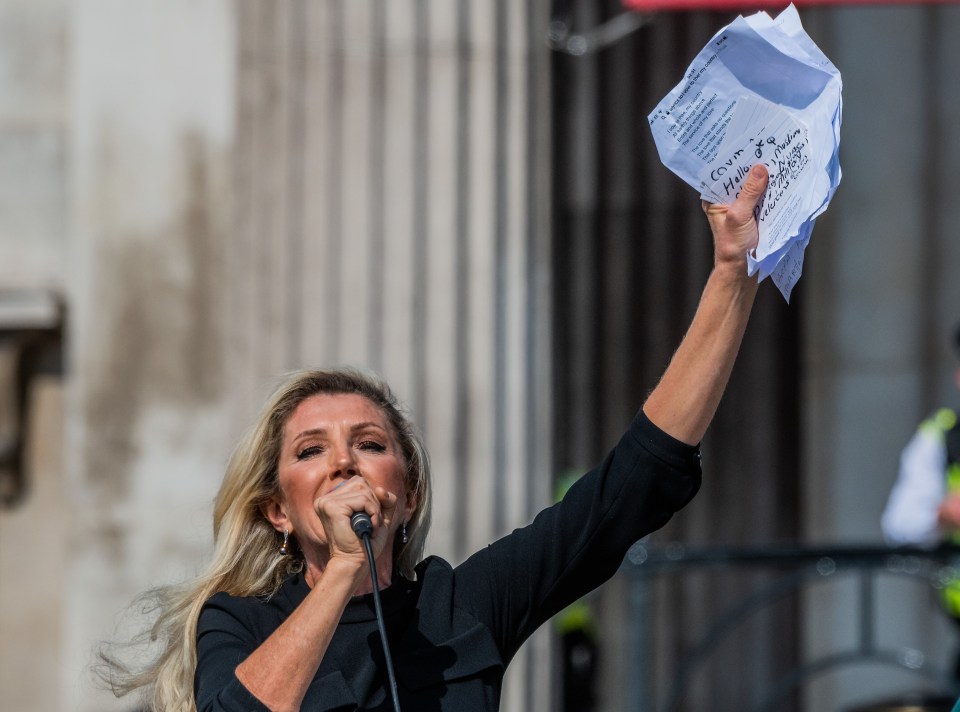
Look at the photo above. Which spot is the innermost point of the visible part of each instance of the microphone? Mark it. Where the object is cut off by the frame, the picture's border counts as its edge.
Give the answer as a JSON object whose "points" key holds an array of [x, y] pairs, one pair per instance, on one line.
{"points": [[362, 526]]}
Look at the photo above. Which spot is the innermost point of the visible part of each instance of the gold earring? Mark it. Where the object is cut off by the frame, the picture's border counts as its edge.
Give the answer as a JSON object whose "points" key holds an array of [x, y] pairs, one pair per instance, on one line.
{"points": [[285, 546]]}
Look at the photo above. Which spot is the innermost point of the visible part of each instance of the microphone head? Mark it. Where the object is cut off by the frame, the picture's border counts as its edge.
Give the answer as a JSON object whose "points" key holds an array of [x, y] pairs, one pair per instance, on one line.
{"points": [[362, 526]]}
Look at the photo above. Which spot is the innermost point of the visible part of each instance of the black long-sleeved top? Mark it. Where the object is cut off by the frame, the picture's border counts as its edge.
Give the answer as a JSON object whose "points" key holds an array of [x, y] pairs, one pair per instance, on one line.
{"points": [[453, 631]]}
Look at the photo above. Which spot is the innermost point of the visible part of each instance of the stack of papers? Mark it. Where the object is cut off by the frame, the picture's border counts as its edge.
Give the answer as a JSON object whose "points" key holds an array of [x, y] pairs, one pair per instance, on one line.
{"points": [[760, 92]]}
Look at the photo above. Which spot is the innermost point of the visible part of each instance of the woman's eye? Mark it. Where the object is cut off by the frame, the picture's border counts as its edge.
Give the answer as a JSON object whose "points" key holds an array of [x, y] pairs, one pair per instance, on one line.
{"points": [[309, 452], [372, 445]]}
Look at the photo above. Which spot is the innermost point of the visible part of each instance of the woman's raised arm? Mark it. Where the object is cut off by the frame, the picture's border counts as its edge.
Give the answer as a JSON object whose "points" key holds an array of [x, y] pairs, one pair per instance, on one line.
{"points": [[686, 399]]}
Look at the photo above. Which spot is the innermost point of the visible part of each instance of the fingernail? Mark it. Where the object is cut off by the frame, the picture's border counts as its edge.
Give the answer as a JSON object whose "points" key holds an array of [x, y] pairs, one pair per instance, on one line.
{"points": [[757, 171]]}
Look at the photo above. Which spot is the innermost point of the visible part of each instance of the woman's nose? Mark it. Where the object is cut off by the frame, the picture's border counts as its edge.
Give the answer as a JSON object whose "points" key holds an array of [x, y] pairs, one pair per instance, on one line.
{"points": [[344, 463]]}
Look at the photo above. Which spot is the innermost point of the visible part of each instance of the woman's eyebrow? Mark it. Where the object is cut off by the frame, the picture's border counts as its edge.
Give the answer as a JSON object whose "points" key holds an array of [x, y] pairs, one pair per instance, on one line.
{"points": [[356, 427], [311, 431], [366, 425]]}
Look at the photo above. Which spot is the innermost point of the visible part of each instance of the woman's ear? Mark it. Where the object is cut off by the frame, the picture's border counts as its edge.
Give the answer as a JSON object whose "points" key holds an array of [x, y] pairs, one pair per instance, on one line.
{"points": [[412, 503], [275, 513]]}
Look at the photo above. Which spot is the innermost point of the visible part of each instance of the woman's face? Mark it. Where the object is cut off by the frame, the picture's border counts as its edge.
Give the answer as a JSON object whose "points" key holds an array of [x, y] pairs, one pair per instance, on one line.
{"points": [[329, 439]]}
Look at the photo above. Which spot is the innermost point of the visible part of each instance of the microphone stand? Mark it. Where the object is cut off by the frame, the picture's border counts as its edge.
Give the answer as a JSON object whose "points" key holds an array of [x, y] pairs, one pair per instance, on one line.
{"points": [[363, 527]]}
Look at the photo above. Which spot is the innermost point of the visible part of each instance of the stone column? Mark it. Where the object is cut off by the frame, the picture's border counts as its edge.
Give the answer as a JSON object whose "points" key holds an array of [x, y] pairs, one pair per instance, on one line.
{"points": [[390, 181]]}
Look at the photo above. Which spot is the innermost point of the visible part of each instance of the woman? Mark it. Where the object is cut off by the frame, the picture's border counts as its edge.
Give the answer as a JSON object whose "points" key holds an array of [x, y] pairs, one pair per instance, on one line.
{"points": [[283, 619]]}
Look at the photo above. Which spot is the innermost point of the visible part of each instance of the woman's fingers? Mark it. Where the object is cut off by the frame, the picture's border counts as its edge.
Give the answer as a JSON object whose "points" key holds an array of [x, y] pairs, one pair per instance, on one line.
{"points": [[336, 508], [356, 494], [734, 226]]}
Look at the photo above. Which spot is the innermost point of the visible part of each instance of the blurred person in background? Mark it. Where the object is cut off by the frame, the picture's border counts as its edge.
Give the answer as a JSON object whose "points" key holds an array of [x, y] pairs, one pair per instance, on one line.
{"points": [[923, 508], [284, 618]]}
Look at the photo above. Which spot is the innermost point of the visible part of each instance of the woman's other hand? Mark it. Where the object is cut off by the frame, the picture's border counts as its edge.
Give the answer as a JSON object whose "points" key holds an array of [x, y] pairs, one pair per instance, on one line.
{"points": [[734, 226]]}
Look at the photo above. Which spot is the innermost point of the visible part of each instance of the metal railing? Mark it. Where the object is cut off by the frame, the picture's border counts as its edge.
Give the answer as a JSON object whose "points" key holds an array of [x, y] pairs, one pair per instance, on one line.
{"points": [[796, 568]]}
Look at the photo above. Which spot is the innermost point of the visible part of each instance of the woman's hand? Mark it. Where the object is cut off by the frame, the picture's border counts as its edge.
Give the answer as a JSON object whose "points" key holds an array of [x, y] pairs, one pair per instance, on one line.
{"points": [[336, 508], [734, 226]]}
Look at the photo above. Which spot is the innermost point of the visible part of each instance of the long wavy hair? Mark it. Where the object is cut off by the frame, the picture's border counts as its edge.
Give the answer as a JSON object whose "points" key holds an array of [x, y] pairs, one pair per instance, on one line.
{"points": [[246, 559]]}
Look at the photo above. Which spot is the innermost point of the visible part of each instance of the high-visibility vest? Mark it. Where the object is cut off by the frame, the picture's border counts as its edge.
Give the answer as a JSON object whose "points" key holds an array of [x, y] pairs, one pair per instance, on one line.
{"points": [[944, 425]]}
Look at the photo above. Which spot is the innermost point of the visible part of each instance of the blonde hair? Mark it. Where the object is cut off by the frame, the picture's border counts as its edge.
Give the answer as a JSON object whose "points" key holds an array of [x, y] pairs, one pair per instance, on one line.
{"points": [[246, 561]]}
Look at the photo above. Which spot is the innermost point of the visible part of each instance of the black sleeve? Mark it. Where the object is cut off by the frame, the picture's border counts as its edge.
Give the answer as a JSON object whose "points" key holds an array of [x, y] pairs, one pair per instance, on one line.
{"points": [[520, 581], [224, 640]]}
